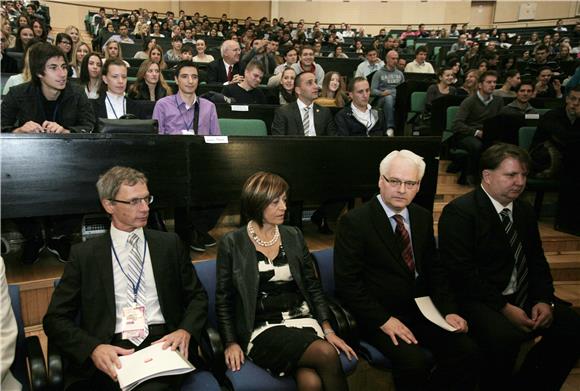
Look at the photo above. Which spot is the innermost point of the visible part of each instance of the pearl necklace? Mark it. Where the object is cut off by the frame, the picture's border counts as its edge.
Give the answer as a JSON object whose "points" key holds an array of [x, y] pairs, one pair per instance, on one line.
{"points": [[259, 241]]}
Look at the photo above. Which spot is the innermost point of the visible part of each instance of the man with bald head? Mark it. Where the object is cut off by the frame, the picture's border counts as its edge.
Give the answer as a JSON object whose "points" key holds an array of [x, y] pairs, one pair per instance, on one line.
{"points": [[227, 69], [384, 85], [304, 117]]}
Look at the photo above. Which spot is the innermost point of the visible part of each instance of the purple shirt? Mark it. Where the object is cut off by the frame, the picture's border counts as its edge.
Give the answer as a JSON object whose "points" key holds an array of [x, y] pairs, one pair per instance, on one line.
{"points": [[173, 117]]}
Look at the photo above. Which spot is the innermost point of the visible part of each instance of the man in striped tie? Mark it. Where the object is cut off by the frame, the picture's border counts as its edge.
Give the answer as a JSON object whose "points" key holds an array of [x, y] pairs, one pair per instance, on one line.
{"points": [[489, 239], [123, 291]]}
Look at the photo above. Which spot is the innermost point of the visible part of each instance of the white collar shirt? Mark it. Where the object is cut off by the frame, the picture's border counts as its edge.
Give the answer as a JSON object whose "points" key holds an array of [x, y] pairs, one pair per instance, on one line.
{"points": [[301, 107], [364, 117], [116, 105]]}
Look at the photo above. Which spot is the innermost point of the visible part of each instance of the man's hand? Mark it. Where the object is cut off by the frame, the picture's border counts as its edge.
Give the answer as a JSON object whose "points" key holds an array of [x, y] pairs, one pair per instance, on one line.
{"points": [[385, 93], [237, 79], [234, 356], [518, 317], [105, 357], [458, 322], [53, 127], [29, 127], [542, 315], [395, 328], [179, 339]]}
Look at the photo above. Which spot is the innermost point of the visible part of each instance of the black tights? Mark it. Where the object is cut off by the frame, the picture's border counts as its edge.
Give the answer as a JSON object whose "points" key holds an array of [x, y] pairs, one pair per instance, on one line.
{"points": [[319, 369]]}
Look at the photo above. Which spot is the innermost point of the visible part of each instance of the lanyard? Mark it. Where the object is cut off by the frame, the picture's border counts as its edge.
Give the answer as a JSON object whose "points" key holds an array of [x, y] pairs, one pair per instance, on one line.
{"points": [[195, 121], [134, 286], [112, 108]]}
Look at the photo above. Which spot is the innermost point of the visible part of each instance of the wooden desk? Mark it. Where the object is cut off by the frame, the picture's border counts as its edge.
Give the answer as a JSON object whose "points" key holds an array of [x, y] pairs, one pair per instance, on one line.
{"points": [[54, 175]]}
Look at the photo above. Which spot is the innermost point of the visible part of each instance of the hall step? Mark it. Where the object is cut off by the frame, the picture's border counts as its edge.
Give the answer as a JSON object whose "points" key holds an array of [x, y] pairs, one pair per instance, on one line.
{"points": [[569, 291], [565, 266]]}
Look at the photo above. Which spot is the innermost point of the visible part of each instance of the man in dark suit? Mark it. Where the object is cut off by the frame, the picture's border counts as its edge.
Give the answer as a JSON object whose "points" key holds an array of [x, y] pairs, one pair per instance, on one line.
{"points": [[226, 70], [385, 256], [304, 118], [490, 241], [130, 269]]}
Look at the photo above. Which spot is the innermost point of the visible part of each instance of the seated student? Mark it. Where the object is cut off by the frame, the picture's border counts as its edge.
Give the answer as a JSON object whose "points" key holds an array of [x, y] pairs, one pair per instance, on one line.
{"points": [[384, 85], [546, 87], [113, 51], [186, 53], [23, 36], [419, 64], [283, 90], [8, 334], [174, 54], [80, 51], [112, 103], [333, 92], [521, 105], [306, 64], [150, 83], [25, 75], [91, 74], [100, 292], [372, 63], [64, 42], [303, 117], [156, 55], [148, 44], [358, 118], [247, 91], [512, 81], [269, 302], [290, 57], [200, 55], [227, 69], [260, 52], [337, 53], [442, 88], [46, 104], [469, 86]]}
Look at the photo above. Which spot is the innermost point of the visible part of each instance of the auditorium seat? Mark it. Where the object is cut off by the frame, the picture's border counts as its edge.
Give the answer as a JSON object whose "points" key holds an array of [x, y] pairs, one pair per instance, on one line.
{"points": [[242, 127]]}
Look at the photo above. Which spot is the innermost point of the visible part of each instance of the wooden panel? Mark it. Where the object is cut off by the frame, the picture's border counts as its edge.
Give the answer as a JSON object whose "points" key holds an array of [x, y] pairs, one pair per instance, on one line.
{"points": [[34, 304]]}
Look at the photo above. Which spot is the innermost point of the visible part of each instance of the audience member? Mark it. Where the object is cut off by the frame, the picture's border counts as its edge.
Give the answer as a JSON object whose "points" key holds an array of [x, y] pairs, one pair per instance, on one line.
{"points": [[290, 57], [24, 76], [510, 84], [306, 64], [201, 56], [548, 87], [185, 112], [337, 53], [384, 85], [8, 63], [247, 91], [283, 87], [468, 123], [358, 118], [541, 60], [168, 298], [490, 242], [304, 117], [186, 53], [521, 104], [23, 37], [401, 64], [123, 36], [174, 54], [379, 271], [74, 34], [442, 88], [372, 64], [156, 55], [260, 52], [113, 52], [82, 49], [227, 69], [156, 30], [91, 75], [469, 86], [8, 335], [333, 93], [459, 46], [290, 336], [419, 65], [150, 84], [148, 45]]}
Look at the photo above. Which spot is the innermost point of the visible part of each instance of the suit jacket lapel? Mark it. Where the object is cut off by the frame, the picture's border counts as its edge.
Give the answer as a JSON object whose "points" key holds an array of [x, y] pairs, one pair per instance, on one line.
{"points": [[156, 253], [104, 260], [248, 276], [385, 232], [490, 221], [318, 125], [298, 119]]}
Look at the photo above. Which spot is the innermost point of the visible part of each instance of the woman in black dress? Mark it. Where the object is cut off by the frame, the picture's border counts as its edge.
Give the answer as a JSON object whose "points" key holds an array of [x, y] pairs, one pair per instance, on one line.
{"points": [[269, 303]]}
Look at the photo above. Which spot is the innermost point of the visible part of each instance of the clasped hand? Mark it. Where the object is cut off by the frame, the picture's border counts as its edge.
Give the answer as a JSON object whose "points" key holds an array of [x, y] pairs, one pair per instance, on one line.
{"points": [[46, 127]]}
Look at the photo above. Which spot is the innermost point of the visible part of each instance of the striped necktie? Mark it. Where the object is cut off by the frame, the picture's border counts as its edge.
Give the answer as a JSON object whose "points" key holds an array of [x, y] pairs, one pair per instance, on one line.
{"points": [[136, 275], [306, 121], [521, 264], [407, 248]]}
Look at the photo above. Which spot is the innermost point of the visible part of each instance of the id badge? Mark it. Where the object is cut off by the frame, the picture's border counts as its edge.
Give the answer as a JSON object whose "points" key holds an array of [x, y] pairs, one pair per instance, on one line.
{"points": [[133, 322]]}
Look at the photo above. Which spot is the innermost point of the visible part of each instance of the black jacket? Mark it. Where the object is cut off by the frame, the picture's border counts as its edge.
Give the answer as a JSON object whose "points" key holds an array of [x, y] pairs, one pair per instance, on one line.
{"points": [[238, 281], [348, 125], [23, 103], [216, 71], [142, 109], [288, 121]]}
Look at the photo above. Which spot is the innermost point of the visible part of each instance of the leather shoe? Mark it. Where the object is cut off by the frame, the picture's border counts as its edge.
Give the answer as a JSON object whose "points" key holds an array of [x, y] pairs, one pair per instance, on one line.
{"points": [[207, 239], [196, 243], [59, 247]]}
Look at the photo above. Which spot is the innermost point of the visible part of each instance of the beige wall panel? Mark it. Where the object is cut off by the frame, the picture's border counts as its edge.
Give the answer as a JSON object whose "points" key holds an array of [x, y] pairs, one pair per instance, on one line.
{"points": [[507, 11], [481, 14], [234, 9]]}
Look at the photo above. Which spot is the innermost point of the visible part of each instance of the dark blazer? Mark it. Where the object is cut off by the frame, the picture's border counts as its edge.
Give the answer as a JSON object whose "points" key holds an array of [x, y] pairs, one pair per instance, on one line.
{"points": [[372, 279], [23, 103], [473, 244], [216, 71], [348, 125], [142, 109], [87, 288], [288, 121], [238, 282]]}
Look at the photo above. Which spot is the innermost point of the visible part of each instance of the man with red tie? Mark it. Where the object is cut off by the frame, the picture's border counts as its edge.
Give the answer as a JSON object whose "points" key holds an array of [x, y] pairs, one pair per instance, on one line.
{"points": [[385, 257], [226, 70]]}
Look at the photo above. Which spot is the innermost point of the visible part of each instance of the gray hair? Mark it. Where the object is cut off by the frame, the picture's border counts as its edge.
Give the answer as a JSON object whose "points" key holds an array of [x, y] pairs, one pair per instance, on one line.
{"points": [[111, 181], [406, 155], [225, 44]]}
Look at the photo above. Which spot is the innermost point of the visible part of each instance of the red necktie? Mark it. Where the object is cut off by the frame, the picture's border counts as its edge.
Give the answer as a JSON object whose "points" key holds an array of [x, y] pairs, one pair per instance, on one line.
{"points": [[407, 252], [230, 73]]}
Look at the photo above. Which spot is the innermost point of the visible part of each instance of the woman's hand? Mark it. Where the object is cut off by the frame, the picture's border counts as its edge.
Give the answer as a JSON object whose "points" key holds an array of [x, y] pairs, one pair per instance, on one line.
{"points": [[234, 356], [339, 344]]}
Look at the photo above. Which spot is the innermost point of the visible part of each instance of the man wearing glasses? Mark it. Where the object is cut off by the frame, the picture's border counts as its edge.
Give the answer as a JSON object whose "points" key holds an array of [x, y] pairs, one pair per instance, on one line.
{"points": [[132, 287], [385, 256]]}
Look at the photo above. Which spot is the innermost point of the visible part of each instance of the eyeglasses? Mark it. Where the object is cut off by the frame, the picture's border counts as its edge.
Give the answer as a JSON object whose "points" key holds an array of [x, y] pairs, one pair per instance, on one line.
{"points": [[396, 183], [135, 201]]}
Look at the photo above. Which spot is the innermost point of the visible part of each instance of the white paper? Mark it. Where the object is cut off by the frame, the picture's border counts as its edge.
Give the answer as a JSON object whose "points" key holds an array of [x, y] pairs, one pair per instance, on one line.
{"points": [[216, 139], [188, 132], [532, 116], [149, 363], [431, 312], [240, 107]]}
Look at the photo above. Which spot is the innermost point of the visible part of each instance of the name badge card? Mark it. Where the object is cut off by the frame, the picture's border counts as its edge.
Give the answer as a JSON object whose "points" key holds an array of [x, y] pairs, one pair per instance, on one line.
{"points": [[133, 322]]}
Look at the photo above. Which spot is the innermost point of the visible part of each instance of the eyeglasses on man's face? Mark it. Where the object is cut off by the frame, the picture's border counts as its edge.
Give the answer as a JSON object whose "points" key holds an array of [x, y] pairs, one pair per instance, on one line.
{"points": [[135, 201], [396, 183]]}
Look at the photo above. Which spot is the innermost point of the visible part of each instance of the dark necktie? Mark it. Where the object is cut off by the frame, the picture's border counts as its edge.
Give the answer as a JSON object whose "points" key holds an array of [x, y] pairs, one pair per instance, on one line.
{"points": [[407, 252], [521, 265], [230, 72]]}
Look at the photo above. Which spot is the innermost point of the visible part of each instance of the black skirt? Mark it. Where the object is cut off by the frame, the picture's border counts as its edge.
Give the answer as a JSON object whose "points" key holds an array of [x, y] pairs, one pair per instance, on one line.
{"points": [[278, 349]]}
